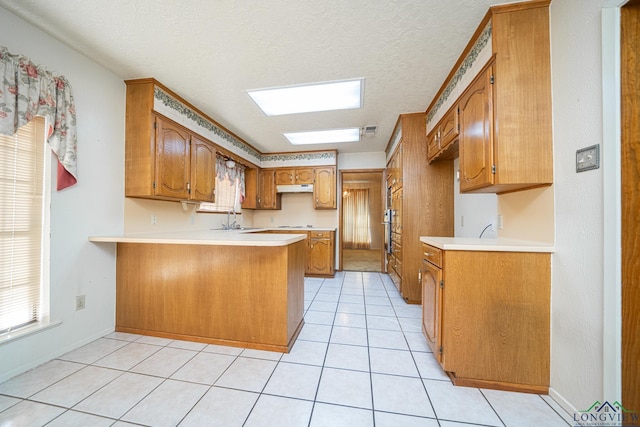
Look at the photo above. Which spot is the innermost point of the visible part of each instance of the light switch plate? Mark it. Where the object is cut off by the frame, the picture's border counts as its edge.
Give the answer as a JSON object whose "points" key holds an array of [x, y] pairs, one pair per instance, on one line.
{"points": [[588, 158]]}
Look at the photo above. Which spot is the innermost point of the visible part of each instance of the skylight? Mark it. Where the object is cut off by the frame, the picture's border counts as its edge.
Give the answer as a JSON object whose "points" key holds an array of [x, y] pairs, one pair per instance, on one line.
{"points": [[324, 136], [337, 95]]}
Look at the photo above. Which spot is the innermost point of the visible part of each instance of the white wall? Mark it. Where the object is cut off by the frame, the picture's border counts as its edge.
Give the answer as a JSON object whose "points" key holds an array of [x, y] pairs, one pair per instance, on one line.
{"points": [[577, 274], [374, 160], [473, 212], [171, 216], [94, 206]]}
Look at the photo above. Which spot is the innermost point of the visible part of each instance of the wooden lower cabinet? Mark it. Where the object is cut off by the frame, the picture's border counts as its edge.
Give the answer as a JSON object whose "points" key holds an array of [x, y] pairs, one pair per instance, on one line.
{"points": [[432, 306], [486, 316], [321, 254], [319, 251]]}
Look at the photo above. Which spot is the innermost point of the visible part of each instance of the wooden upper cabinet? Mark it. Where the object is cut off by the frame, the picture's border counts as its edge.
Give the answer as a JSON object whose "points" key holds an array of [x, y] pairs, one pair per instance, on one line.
{"points": [[476, 139], [324, 188], [250, 189], [172, 161], [163, 160], [442, 141], [267, 197], [284, 176], [203, 170], [518, 143], [304, 176], [294, 176]]}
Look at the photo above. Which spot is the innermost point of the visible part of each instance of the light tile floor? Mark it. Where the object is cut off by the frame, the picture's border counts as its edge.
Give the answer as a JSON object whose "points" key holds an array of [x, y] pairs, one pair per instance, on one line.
{"points": [[360, 360]]}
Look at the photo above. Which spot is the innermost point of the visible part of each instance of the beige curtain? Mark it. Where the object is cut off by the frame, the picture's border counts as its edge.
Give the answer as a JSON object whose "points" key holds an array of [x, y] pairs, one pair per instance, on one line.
{"points": [[355, 217]]}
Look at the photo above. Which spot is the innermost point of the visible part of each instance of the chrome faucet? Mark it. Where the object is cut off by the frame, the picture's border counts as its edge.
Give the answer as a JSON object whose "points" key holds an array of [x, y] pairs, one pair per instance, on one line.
{"points": [[233, 225]]}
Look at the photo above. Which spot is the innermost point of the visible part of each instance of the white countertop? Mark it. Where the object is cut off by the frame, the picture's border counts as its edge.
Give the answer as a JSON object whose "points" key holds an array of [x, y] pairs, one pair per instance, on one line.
{"points": [[293, 228], [246, 237], [493, 245]]}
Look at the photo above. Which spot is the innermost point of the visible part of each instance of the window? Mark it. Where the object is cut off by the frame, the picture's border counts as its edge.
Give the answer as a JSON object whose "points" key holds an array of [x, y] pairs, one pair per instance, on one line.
{"points": [[23, 226], [229, 188]]}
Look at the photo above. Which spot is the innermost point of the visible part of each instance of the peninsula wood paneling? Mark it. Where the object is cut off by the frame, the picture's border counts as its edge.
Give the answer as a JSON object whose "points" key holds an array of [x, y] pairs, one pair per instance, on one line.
{"points": [[232, 295]]}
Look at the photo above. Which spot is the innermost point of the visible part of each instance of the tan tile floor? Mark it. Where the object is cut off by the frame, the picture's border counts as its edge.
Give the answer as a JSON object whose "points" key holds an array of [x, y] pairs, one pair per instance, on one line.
{"points": [[361, 360]]}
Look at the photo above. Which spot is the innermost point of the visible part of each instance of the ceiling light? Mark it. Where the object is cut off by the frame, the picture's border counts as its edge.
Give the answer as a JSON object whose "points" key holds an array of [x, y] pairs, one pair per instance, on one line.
{"points": [[337, 95], [324, 136]]}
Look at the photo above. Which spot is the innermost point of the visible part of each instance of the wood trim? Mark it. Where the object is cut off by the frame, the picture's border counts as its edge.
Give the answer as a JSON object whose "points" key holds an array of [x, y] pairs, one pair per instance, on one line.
{"points": [[302, 152], [340, 241], [630, 147], [497, 385], [393, 132]]}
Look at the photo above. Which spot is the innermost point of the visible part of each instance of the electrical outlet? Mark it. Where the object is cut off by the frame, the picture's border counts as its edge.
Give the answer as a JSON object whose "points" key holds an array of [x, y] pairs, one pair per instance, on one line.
{"points": [[154, 219], [461, 220], [499, 222], [80, 302]]}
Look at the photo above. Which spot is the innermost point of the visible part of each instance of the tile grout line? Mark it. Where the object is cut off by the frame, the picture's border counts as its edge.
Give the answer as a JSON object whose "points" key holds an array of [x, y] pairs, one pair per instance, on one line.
{"points": [[326, 352]]}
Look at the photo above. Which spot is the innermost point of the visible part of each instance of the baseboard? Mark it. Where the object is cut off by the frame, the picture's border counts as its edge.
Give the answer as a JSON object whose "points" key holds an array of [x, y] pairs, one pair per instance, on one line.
{"points": [[53, 355], [564, 403]]}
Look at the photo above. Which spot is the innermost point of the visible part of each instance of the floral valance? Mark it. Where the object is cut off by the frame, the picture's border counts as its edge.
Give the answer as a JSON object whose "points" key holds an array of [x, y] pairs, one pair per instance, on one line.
{"points": [[28, 90]]}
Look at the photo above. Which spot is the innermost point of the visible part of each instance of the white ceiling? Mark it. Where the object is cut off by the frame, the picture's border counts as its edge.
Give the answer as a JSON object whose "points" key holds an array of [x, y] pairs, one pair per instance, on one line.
{"points": [[211, 51]]}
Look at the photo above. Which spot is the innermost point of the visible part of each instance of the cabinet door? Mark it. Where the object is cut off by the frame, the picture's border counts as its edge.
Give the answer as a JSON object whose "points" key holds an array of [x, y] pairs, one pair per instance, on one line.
{"points": [[433, 144], [203, 170], [476, 133], [324, 188], [284, 176], [267, 189], [449, 128], [431, 306], [172, 161], [320, 257], [250, 189], [304, 176], [396, 206]]}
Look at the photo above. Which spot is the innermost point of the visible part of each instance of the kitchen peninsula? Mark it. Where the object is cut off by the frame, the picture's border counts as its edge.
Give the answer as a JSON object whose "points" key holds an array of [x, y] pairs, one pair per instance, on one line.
{"points": [[218, 287]]}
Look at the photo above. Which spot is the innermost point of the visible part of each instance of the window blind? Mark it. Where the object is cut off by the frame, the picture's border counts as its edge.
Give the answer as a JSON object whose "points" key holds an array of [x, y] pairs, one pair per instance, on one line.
{"points": [[22, 164], [227, 196]]}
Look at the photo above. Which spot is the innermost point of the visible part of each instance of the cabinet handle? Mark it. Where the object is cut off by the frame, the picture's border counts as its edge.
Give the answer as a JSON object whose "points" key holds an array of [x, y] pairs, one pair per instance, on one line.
{"points": [[427, 254]]}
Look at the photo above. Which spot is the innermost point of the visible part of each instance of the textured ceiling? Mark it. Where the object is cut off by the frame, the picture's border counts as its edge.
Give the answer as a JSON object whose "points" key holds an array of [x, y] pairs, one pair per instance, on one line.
{"points": [[211, 51]]}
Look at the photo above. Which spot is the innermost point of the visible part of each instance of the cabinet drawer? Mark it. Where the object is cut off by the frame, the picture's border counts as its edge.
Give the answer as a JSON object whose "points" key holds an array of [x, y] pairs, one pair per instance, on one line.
{"points": [[397, 238], [319, 234], [432, 254], [397, 250]]}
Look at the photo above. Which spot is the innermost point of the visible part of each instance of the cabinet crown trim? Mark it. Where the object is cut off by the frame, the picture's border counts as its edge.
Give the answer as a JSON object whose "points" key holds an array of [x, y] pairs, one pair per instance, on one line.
{"points": [[466, 65]]}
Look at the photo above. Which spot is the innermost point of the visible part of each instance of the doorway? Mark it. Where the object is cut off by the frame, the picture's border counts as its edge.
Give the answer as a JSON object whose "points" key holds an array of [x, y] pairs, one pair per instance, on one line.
{"points": [[630, 158], [361, 228]]}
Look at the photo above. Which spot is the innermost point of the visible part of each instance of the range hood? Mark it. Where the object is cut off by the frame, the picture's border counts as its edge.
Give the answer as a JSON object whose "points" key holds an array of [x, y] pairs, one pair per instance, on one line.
{"points": [[299, 188]]}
